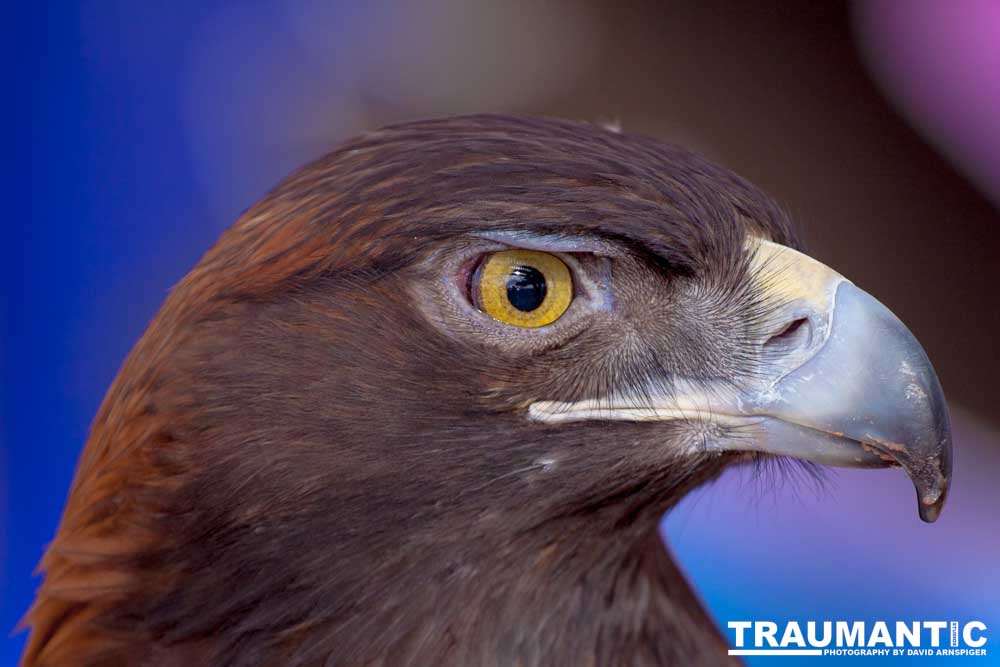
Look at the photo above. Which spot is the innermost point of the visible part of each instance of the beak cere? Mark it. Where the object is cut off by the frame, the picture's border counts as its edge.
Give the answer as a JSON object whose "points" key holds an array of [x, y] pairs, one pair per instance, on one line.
{"points": [[871, 382], [841, 381]]}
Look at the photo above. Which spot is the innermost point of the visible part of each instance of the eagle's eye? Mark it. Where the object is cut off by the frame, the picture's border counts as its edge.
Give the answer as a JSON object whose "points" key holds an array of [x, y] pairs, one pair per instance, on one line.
{"points": [[525, 288]]}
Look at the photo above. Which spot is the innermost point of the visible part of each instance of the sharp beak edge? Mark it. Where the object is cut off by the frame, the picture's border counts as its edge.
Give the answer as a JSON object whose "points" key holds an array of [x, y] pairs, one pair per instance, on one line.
{"points": [[870, 382]]}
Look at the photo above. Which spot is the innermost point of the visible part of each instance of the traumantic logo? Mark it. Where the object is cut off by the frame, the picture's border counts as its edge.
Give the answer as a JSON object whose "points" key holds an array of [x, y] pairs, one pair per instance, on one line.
{"points": [[857, 638]]}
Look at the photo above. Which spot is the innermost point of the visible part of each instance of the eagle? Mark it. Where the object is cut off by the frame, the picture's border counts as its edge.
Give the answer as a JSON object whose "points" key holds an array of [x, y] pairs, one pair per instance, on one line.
{"points": [[427, 402]]}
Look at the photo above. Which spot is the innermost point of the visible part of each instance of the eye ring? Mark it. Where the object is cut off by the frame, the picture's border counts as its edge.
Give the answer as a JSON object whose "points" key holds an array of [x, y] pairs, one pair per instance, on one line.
{"points": [[523, 288]]}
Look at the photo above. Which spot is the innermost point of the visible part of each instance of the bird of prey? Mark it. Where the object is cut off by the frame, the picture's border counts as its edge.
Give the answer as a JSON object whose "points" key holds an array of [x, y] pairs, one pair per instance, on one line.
{"points": [[427, 402]]}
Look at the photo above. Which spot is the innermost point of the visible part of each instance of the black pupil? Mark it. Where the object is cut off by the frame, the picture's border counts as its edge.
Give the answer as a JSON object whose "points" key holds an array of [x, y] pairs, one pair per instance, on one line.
{"points": [[526, 288]]}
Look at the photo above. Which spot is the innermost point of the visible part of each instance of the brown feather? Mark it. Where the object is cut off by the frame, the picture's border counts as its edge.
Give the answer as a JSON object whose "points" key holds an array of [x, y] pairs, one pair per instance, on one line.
{"points": [[295, 467]]}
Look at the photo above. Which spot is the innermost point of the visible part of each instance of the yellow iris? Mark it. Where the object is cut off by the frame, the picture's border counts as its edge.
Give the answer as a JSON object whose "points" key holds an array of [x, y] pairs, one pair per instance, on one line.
{"points": [[525, 288]]}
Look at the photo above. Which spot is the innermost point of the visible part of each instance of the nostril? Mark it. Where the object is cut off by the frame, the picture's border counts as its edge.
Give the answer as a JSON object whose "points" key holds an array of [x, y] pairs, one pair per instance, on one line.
{"points": [[794, 335]]}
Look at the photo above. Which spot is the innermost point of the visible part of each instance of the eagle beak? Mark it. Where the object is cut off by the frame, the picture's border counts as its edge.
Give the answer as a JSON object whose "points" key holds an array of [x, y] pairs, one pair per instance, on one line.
{"points": [[841, 382], [865, 381]]}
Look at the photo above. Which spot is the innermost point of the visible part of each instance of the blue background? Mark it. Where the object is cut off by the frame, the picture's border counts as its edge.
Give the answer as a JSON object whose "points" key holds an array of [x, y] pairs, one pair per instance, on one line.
{"points": [[104, 215]]}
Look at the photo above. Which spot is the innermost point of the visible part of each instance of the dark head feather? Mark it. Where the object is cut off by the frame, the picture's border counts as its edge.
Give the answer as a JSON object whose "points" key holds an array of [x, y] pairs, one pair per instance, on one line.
{"points": [[298, 465]]}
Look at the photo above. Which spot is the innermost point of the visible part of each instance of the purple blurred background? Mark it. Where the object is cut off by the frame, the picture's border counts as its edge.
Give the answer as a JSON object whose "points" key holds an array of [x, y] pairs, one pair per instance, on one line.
{"points": [[141, 130]]}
